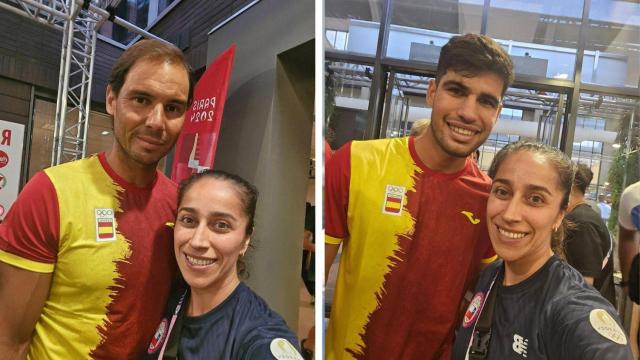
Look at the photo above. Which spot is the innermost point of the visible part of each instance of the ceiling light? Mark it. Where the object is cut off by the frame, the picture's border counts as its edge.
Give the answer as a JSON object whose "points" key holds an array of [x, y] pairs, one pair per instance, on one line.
{"points": [[105, 132]]}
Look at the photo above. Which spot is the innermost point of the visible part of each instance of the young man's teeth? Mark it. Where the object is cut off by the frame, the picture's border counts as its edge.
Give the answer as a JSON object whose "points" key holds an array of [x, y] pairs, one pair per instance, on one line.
{"points": [[512, 235], [461, 131], [199, 262]]}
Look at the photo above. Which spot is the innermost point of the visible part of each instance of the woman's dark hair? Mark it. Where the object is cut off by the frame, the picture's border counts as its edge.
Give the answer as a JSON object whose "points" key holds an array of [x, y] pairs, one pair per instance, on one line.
{"points": [[248, 197], [563, 167]]}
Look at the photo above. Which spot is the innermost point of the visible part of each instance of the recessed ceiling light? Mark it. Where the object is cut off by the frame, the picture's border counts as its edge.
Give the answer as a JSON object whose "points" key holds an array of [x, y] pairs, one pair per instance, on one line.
{"points": [[105, 132]]}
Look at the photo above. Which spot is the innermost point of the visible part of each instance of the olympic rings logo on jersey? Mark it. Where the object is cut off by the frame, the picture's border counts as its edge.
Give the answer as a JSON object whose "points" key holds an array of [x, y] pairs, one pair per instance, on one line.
{"points": [[105, 224], [104, 212], [393, 199]]}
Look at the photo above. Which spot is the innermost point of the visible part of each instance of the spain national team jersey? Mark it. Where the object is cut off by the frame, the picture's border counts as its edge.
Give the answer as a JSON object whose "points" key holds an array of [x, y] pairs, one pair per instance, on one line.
{"points": [[110, 253], [412, 238]]}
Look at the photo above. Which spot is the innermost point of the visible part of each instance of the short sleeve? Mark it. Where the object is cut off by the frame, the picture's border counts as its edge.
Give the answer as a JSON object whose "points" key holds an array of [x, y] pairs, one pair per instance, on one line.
{"points": [[29, 234], [337, 178], [629, 210], [586, 328], [583, 250]]}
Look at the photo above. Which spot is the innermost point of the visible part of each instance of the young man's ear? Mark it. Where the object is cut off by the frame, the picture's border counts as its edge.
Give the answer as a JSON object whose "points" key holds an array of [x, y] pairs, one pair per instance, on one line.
{"points": [[431, 91], [498, 113], [111, 100]]}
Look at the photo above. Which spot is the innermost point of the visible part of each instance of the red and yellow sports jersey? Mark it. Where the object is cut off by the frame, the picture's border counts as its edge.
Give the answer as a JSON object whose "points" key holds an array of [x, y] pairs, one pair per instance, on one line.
{"points": [[110, 253], [412, 238]]}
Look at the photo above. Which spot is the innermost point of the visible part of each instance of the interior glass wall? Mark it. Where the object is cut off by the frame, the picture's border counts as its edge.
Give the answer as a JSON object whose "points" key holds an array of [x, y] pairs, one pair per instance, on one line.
{"points": [[612, 50], [347, 19], [347, 101], [541, 36], [419, 28]]}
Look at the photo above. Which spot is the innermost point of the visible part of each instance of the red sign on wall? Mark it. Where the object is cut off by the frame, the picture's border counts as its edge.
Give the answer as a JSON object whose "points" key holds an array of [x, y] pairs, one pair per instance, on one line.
{"points": [[196, 146]]}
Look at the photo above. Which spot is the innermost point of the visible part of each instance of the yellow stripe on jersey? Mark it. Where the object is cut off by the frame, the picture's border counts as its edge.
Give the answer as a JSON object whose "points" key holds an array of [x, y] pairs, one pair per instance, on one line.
{"points": [[25, 264], [332, 240], [86, 300], [372, 237]]}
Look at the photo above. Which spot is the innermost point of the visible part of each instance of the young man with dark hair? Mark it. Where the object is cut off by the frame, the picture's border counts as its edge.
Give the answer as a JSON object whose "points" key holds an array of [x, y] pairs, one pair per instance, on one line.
{"points": [[410, 213], [86, 257], [588, 246]]}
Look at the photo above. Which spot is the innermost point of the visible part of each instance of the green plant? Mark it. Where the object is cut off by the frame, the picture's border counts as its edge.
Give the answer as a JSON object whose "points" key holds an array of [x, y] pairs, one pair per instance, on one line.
{"points": [[329, 102], [624, 167]]}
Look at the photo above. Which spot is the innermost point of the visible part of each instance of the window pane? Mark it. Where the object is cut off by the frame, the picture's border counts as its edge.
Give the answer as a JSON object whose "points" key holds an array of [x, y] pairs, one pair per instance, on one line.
{"points": [[420, 28], [612, 52], [358, 21], [346, 101], [541, 36]]}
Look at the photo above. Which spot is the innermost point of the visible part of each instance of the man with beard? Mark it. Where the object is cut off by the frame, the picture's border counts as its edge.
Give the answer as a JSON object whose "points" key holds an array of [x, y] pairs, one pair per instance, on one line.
{"points": [[410, 215], [86, 258]]}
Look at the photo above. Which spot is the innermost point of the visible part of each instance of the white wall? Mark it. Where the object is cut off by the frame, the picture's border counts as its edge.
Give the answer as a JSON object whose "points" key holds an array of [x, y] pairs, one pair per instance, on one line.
{"points": [[265, 136]]}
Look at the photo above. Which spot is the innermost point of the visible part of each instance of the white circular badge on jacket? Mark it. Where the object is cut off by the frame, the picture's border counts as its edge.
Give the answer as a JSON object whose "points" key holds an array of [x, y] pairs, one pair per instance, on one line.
{"points": [[606, 326], [283, 350]]}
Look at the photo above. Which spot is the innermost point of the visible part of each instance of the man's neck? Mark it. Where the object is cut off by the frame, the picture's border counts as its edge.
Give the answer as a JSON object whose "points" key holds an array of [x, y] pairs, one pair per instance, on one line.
{"points": [[432, 155], [130, 170], [576, 199]]}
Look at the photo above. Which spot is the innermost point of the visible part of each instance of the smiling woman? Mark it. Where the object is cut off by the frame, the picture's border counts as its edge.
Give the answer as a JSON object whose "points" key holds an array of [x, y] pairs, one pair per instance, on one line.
{"points": [[214, 315], [531, 303]]}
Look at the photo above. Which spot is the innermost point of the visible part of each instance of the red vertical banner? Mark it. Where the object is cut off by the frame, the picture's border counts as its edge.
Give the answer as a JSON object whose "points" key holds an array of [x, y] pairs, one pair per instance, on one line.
{"points": [[196, 146]]}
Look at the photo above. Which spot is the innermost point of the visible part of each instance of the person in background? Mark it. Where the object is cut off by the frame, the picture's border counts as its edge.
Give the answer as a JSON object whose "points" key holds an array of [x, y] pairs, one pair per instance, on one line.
{"points": [[308, 273], [215, 315], [605, 208], [588, 246], [531, 304], [85, 244], [419, 126], [628, 232], [409, 213]]}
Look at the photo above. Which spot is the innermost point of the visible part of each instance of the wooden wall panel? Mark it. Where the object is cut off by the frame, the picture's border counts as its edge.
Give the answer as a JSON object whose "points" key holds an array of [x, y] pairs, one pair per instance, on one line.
{"points": [[15, 98], [29, 52]]}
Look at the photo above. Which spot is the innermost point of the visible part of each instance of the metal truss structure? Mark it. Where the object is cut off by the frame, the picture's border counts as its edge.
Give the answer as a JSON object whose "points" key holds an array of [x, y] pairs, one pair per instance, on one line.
{"points": [[79, 21]]}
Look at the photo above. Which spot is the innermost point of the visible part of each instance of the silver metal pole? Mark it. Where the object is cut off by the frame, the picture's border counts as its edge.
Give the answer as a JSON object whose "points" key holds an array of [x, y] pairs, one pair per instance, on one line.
{"points": [[24, 14], [48, 9], [63, 87], [88, 106]]}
